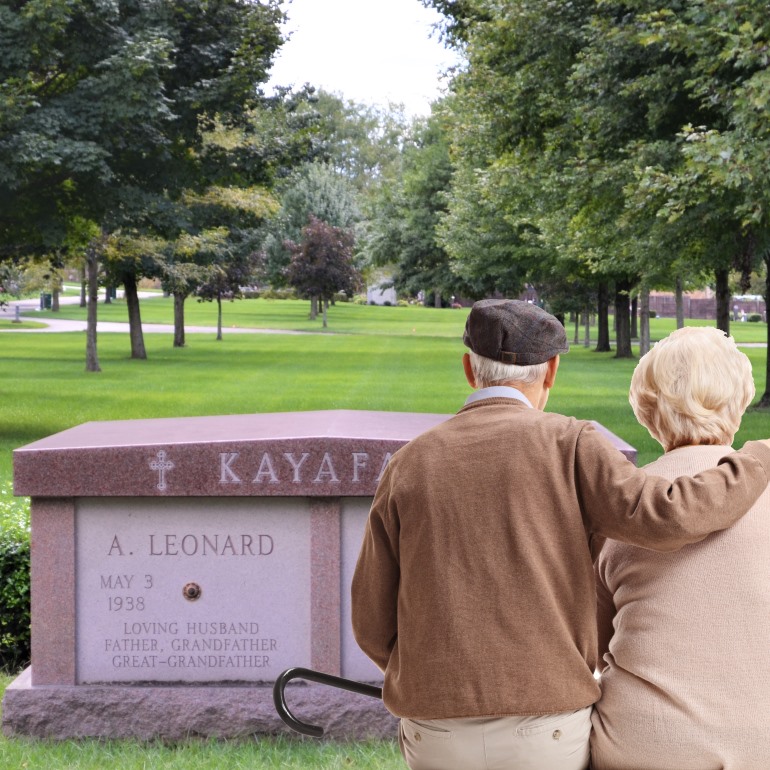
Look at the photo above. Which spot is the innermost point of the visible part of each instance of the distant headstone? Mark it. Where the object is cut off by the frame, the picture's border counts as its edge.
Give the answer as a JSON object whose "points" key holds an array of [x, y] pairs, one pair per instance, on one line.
{"points": [[179, 565]]}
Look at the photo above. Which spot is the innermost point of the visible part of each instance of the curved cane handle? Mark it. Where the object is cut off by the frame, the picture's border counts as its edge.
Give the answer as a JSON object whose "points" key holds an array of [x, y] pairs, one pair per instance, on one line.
{"points": [[279, 696]]}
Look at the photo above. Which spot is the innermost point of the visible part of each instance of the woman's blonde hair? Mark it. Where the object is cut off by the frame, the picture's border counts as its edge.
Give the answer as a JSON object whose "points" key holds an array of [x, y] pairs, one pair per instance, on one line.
{"points": [[692, 388]]}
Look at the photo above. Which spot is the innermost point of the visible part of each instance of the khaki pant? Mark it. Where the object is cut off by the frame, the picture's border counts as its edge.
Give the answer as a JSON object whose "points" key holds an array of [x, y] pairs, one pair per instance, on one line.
{"points": [[552, 742]]}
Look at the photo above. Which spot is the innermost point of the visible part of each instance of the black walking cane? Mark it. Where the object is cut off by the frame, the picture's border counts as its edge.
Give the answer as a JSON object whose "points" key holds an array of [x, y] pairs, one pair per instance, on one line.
{"points": [[279, 697]]}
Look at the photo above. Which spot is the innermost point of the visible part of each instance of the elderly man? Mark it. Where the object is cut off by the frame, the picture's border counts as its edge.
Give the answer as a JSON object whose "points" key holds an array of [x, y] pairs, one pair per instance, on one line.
{"points": [[474, 590]]}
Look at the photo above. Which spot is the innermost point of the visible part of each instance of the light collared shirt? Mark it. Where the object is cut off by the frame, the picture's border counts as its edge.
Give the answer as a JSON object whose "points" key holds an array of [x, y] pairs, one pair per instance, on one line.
{"points": [[497, 391]]}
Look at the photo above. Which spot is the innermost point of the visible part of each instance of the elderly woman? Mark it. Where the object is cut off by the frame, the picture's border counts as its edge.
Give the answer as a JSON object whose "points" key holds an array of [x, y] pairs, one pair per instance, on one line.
{"points": [[684, 637]]}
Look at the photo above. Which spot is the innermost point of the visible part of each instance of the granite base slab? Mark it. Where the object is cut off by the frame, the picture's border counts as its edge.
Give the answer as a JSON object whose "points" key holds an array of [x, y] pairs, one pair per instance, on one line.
{"points": [[174, 713]]}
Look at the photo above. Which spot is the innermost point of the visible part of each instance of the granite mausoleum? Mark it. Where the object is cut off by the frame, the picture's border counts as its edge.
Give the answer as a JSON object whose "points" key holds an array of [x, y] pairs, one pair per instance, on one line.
{"points": [[179, 565]]}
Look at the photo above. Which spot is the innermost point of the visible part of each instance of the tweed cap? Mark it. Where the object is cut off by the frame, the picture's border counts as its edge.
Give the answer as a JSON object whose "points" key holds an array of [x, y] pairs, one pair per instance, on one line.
{"points": [[514, 332]]}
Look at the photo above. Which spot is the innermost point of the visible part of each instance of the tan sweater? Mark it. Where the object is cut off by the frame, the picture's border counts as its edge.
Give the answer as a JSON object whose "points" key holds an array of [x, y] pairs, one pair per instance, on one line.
{"points": [[687, 683], [474, 590]]}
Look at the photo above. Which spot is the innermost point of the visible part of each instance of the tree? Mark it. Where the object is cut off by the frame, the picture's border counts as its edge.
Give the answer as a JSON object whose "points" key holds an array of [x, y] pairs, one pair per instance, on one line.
{"points": [[322, 263], [95, 246], [128, 257], [360, 142], [226, 276], [108, 106], [726, 155], [42, 144], [637, 93], [181, 279], [314, 190], [510, 201], [229, 224], [405, 215], [358, 148], [571, 121]]}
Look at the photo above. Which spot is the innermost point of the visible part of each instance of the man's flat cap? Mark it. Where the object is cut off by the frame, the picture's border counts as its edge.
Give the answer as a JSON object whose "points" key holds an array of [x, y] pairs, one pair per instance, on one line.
{"points": [[514, 332]]}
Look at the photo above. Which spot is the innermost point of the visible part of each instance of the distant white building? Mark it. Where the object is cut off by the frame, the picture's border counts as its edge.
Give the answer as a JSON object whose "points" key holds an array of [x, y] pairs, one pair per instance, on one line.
{"points": [[377, 294]]}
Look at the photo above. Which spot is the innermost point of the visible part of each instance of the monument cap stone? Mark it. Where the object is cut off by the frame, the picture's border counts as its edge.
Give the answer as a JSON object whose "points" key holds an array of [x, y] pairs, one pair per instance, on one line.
{"points": [[335, 453]]}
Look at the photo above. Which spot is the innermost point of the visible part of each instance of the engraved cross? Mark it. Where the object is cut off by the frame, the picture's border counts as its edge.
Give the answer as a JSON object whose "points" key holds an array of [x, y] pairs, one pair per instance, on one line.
{"points": [[161, 465]]}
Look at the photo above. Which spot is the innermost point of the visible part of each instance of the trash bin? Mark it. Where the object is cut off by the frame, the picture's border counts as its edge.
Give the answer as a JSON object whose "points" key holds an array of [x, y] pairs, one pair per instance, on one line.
{"points": [[45, 301]]}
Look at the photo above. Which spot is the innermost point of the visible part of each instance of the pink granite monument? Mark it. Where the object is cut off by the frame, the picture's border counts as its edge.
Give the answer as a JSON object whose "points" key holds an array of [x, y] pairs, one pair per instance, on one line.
{"points": [[179, 565]]}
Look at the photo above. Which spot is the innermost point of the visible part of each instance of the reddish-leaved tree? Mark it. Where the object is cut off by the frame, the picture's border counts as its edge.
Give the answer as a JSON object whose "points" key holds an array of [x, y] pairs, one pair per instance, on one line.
{"points": [[322, 263]]}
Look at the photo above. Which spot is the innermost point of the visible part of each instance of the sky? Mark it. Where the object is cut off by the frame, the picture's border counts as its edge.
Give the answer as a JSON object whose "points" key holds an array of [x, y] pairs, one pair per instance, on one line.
{"points": [[371, 51]]}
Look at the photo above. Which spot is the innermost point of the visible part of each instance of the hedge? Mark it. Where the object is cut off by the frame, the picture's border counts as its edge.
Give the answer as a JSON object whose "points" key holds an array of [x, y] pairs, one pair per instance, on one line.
{"points": [[14, 580]]}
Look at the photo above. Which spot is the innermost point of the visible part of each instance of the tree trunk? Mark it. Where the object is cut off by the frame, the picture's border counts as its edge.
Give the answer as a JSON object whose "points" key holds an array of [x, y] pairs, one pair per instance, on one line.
{"points": [[179, 298], [313, 307], [634, 316], [325, 306], [644, 320], [437, 298], [602, 320], [92, 278], [576, 338], [83, 284], [55, 299], [219, 316], [679, 303], [622, 320], [587, 322], [134, 317], [764, 402], [107, 295], [723, 300]]}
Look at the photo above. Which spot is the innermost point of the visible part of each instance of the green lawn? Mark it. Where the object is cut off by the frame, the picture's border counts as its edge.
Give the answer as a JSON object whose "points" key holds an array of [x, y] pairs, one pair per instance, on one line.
{"points": [[740, 331], [287, 314], [8, 323], [45, 388]]}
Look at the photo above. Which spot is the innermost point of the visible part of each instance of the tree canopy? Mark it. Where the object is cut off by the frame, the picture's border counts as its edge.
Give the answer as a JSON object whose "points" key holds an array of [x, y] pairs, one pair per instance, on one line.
{"points": [[105, 106], [587, 149], [607, 143]]}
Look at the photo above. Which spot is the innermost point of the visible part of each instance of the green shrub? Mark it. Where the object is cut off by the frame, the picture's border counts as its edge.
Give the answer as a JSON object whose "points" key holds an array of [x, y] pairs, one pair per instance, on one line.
{"points": [[403, 303], [653, 313], [754, 317], [278, 294], [359, 299], [14, 579]]}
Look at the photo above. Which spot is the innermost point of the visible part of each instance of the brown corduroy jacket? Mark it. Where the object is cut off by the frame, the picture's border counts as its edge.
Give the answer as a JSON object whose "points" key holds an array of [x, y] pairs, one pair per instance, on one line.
{"points": [[474, 589]]}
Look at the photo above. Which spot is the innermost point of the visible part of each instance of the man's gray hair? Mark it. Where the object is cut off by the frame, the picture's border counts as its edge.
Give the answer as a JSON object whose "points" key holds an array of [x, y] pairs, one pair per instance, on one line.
{"points": [[489, 372]]}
